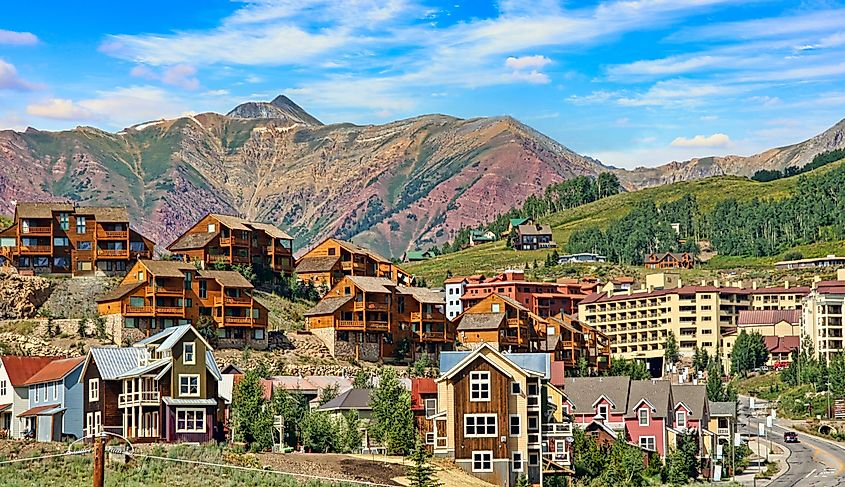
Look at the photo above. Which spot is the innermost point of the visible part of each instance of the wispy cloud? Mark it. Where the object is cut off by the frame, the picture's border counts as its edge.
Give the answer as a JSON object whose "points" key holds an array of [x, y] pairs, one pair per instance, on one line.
{"points": [[10, 37], [11, 80], [715, 140], [180, 75], [121, 106]]}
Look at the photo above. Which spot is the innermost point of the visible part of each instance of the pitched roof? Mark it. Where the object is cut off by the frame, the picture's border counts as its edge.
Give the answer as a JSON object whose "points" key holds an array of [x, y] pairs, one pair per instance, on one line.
{"points": [[170, 336], [167, 268], [41, 410], [786, 344], [423, 295], [769, 316], [515, 222], [105, 214], [480, 321], [358, 399], [211, 365], [120, 291], [516, 304], [722, 408], [454, 280], [272, 230], [20, 369], [55, 370], [190, 241], [583, 392], [534, 364], [112, 362], [328, 305], [656, 392], [228, 278], [534, 230], [372, 284], [693, 396], [317, 264], [231, 221], [198, 401], [40, 210]]}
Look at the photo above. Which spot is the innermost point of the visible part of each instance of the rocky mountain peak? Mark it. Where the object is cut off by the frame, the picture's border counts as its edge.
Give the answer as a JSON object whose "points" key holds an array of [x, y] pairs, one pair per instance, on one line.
{"points": [[281, 107]]}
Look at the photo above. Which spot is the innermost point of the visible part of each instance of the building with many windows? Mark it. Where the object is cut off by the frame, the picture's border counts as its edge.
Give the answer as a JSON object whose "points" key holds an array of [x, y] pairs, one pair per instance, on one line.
{"points": [[332, 259], [822, 316], [64, 238]]}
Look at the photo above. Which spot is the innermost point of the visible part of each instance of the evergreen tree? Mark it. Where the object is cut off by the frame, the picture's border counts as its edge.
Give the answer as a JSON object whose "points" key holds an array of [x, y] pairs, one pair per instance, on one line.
{"points": [[392, 419], [670, 349], [292, 406], [682, 463], [319, 432], [421, 471], [328, 393], [251, 422], [362, 380], [625, 467], [352, 436]]}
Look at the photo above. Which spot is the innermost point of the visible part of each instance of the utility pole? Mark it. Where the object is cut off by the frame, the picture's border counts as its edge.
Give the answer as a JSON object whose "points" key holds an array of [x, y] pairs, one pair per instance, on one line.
{"points": [[99, 461]]}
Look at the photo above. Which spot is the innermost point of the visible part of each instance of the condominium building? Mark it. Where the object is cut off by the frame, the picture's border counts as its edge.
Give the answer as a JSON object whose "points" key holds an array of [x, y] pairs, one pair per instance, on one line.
{"points": [[822, 315], [64, 238], [332, 259]]}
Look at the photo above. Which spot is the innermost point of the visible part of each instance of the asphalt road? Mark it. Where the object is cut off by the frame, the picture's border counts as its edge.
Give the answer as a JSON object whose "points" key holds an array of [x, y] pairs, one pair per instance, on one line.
{"points": [[812, 462]]}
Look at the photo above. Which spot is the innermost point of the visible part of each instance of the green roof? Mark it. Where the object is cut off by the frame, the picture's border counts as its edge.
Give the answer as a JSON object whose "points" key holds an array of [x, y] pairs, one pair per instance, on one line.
{"points": [[416, 255], [515, 222]]}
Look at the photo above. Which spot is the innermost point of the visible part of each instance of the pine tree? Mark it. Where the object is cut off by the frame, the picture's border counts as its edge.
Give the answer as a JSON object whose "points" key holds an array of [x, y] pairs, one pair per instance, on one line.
{"points": [[421, 471], [522, 481], [392, 418]]}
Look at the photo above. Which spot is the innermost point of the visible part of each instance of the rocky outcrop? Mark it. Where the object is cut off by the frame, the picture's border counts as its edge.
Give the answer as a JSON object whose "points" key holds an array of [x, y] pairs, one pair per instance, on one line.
{"points": [[76, 298], [281, 107], [21, 296]]}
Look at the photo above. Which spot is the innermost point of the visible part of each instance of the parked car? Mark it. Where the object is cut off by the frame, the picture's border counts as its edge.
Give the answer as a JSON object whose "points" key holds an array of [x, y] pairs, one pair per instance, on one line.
{"points": [[781, 365], [790, 437]]}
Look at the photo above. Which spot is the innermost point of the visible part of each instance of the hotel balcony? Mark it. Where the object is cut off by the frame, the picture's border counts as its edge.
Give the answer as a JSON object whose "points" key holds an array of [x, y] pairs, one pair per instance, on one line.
{"points": [[137, 310], [239, 320], [233, 301], [113, 253], [169, 311]]}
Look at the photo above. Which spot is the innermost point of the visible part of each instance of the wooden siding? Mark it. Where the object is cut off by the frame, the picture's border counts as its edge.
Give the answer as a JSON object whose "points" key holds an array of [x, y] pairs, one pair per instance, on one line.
{"points": [[499, 391]]}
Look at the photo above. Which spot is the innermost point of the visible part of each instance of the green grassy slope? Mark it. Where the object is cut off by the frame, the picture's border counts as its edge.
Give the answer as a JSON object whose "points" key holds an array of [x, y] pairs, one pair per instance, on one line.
{"points": [[496, 256]]}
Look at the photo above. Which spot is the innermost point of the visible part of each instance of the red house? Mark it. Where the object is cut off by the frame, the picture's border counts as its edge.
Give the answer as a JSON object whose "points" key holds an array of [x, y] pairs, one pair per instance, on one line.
{"points": [[424, 406], [592, 398]]}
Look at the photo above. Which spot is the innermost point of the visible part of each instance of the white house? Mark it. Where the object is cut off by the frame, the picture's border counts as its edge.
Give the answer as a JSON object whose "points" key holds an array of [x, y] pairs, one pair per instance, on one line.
{"points": [[15, 371]]}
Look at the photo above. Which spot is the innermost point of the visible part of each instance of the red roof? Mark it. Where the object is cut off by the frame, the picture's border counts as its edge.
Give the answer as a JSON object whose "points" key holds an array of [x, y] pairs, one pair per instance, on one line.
{"points": [[622, 296], [782, 290], [830, 287], [454, 280], [38, 409], [776, 344], [20, 369], [421, 386], [55, 370], [769, 316]]}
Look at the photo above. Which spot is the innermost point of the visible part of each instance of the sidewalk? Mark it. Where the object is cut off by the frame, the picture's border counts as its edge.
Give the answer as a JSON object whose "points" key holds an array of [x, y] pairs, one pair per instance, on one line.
{"points": [[778, 455]]}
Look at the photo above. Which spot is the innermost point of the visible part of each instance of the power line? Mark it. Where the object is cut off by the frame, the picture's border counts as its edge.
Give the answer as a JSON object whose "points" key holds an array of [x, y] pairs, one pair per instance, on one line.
{"points": [[44, 457]]}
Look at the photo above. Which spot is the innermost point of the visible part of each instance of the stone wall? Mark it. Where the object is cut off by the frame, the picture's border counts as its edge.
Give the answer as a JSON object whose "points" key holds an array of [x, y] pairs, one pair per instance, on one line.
{"points": [[119, 333], [327, 336], [21, 296], [239, 343]]}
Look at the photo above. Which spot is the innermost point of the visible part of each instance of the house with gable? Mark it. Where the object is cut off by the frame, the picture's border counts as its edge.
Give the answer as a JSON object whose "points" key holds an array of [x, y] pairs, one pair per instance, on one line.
{"points": [[649, 415], [690, 413], [163, 388], [55, 401], [14, 393], [499, 321], [496, 417], [332, 259], [602, 399]]}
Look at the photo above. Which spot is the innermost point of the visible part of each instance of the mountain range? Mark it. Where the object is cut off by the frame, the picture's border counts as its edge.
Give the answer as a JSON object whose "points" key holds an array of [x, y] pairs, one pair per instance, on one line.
{"points": [[398, 186]]}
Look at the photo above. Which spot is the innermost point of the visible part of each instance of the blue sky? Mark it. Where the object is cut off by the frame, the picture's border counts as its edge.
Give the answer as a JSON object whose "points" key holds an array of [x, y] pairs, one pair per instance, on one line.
{"points": [[637, 82]]}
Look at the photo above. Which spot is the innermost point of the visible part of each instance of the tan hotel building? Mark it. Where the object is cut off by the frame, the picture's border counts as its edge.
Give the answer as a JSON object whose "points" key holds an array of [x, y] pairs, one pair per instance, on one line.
{"points": [[638, 321]]}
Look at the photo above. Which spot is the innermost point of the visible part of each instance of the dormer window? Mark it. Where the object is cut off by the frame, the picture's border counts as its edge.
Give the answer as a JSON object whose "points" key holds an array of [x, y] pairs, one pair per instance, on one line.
{"points": [[602, 411], [189, 353], [681, 419], [642, 414]]}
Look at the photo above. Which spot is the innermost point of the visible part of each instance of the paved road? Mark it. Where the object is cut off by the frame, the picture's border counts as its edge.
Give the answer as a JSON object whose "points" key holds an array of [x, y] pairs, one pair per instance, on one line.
{"points": [[812, 462]]}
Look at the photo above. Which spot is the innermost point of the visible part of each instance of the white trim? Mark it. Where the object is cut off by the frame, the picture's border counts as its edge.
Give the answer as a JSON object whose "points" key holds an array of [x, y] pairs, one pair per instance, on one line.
{"points": [[478, 351], [653, 440], [607, 399], [488, 454], [188, 394], [606, 416], [519, 388], [93, 390], [640, 416], [480, 378], [686, 418], [425, 405], [196, 411], [518, 424], [647, 402], [193, 346], [521, 461], [476, 425]]}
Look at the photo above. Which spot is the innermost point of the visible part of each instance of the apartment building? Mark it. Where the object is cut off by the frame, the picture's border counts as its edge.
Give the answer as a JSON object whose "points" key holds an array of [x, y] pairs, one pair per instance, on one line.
{"points": [[497, 416], [455, 287], [780, 328], [544, 299], [332, 259], [777, 298], [822, 315], [162, 388], [64, 238], [569, 341], [156, 295], [231, 240], [374, 318], [500, 322]]}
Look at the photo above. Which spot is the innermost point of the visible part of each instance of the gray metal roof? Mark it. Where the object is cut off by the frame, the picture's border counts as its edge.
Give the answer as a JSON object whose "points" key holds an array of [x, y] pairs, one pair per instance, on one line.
{"points": [[722, 408], [211, 365], [172, 401], [144, 369], [358, 399], [112, 362], [533, 362]]}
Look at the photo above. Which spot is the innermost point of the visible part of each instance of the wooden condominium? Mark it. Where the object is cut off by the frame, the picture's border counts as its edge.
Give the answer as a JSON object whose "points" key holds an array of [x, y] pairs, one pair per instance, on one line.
{"points": [[63, 238], [501, 322], [574, 343], [327, 263], [231, 240], [373, 318], [157, 294]]}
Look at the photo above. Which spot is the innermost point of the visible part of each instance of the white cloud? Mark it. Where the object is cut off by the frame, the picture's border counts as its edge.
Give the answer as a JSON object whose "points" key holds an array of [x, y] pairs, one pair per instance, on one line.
{"points": [[59, 109], [11, 37], [10, 80], [533, 76], [667, 66], [715, 140], [180, 75], [527, 62]]}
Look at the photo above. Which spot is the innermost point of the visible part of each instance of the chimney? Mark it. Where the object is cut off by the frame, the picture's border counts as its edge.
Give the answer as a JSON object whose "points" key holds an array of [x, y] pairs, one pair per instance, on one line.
{"points": [[754, 285], [786, 284]]}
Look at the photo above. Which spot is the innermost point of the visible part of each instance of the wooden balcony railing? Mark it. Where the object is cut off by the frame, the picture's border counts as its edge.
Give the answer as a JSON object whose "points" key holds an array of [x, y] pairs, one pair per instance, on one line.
{"points": [[139, 398], [120, 253], [377, 325], [233, 301], [137, 310], [558, 429], [420, 316], [113, 234], [434, 336], [164, 291], [37, 231], [236, 241], [349, 265], [359, 306], [169, 310], [514, 322], [349, 325], [238, 320], [34, 249]]}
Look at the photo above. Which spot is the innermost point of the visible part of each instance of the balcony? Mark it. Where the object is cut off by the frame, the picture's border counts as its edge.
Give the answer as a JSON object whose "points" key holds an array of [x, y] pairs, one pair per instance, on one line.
{"points": [[271, 249], [723, 431], [112, 234], [349, 325], [417, 316], [558, 429], [35, 249], [115, 253], [169, 311], [140, 398], [37, 231], [233, 241], [377, 325], [233, 301], [218, 259], [434, 336], [165, 291], [238, 320], [514, 322], [352, 266], [360, 306], [137, 310]]}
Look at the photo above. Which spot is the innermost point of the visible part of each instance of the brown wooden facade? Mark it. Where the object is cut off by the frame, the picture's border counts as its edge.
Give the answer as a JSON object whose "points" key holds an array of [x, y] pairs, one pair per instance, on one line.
{"points": [[230, 240], [499, 321], [670, 260], [62, 238], [369, 318], [569, 340], [156, 295], [332, 259]]}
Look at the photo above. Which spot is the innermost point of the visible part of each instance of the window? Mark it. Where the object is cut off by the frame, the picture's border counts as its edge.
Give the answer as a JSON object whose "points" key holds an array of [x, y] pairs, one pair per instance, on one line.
{"points": [[3, 388], [601, 410], [495, 308], [514, 425], [256, 313], [681, 419], [533, 423], [56, 390], [480, 425], [93, 390], [60, 262], [190, 421], [83, 245], [80, 224], [64, 221], [189, 385], [98, 422], [212, 228], [60, 242], [136, 301], [137, 246], [533, 459], [482, 461], [189, 353], [203, 291], [517, 461], [430, 407], [642, 414], [647, 443], [515, 388], [258, 334], [51, 387], [37, 393], [189, 278], [479, 386]]}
